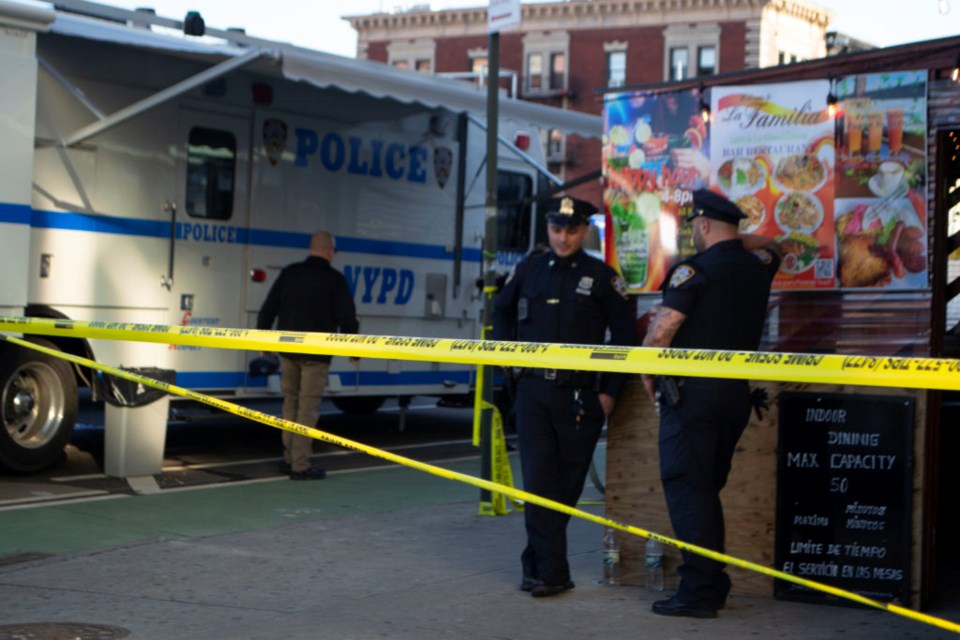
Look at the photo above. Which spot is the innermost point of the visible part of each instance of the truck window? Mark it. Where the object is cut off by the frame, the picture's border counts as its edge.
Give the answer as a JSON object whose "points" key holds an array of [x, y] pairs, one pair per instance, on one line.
{"points": [[513, 218], [211, 165]]}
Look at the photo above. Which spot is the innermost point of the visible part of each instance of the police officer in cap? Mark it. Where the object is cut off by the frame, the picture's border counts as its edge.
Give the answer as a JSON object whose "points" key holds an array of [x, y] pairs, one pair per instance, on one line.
{"points": [[563, 296], [716, 299]]}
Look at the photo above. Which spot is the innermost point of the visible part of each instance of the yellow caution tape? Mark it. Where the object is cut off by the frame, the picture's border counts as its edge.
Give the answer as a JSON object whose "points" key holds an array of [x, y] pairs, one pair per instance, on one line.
{"points": [[874, 371], [501, 473], [478, 406], [499, 463], [516, 494]]}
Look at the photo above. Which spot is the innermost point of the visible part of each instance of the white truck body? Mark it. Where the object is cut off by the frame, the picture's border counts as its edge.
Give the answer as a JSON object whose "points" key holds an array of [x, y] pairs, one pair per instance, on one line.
{"points": [[150, 177]]}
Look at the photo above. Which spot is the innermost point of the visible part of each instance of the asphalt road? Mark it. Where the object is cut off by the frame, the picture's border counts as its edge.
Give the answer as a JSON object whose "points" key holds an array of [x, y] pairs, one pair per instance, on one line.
{"points": [[204, 446]]}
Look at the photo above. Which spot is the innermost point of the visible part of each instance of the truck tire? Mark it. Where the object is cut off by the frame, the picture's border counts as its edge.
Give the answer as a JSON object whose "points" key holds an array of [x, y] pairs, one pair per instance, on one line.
{"points": [[38, 407], [358, 405]]}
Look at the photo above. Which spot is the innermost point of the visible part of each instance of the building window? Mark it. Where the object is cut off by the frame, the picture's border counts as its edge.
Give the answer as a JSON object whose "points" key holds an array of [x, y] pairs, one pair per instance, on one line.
{"points": [[545, 62], [616, 68], [477, 66], [691, 50], [679, 63], [706, 61], [558, 71], [211, 165], [535, 72], [556, 146], [412, 54]]}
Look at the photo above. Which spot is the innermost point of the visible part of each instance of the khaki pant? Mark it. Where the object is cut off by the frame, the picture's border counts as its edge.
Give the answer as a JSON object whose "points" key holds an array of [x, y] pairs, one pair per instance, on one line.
{"points": [[303, 383]]}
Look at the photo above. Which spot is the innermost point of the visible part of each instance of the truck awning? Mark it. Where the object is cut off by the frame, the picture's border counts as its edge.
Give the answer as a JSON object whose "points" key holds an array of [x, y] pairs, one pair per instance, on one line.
{"points": [[381, 81], [325, 70]]}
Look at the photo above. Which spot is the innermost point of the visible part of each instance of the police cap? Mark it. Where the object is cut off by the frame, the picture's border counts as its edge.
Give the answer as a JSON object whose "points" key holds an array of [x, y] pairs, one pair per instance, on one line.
{"points": [[568, 212], [708, 204]]}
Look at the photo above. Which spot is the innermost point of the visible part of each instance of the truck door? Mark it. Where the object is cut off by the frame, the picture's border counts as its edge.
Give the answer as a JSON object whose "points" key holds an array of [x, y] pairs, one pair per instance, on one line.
{"points": [[209, 247]]}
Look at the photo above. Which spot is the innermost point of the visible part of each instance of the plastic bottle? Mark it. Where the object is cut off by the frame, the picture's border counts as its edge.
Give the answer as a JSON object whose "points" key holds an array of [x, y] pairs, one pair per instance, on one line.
{"points": [[611, 559], [654, 564]]}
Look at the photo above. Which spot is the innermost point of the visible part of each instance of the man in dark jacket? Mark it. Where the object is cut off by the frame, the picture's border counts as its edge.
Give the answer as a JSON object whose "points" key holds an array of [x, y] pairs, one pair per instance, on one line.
{"points": [[307, 296], [564, 296]]}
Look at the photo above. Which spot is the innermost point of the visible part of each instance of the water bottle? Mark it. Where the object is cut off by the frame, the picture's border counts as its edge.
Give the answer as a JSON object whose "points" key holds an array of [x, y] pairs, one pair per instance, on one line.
{"points": [[654, 564], [611, 559]]}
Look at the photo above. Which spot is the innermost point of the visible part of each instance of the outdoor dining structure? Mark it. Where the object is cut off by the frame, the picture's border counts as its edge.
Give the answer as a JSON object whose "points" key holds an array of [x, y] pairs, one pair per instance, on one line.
{"points": [[850, 162]]}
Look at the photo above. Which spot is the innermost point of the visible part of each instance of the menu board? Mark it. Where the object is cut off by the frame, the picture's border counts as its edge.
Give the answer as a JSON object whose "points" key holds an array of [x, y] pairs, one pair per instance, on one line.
{"points": [[844, 472], [655, 152], [881, 221], [843, 194], [773, 155]]}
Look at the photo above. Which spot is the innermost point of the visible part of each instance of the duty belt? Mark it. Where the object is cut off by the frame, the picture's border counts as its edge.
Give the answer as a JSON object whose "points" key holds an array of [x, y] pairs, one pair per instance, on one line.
{"points": [[563, 377]]}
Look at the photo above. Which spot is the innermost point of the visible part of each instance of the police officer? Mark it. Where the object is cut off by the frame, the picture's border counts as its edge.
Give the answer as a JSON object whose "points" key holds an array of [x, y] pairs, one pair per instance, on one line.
{"points": [[565, 296], [716, 299]]}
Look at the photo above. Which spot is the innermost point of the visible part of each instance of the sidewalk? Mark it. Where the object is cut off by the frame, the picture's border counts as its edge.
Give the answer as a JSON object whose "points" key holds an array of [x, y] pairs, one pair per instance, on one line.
{"points": [[386, 553]]}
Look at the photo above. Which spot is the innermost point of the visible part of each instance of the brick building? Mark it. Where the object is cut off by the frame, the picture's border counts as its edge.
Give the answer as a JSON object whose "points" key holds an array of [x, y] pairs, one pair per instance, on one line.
{"points": [[565, 52]]}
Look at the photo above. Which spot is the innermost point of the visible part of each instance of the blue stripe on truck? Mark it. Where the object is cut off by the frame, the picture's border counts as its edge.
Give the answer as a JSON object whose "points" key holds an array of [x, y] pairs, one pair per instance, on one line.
{"points": [[14, 213], [99, 223]]}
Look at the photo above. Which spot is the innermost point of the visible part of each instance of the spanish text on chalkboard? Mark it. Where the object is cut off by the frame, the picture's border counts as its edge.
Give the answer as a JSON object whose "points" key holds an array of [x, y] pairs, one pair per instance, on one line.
{"points": [[844, 469]]}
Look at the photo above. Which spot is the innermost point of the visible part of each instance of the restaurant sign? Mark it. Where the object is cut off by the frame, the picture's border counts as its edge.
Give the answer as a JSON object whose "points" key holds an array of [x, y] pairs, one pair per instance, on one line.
{"points": [[842, 194]]}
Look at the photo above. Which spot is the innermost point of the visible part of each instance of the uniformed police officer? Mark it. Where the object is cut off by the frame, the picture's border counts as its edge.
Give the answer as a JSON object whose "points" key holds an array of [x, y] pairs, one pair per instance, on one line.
{"points": [[564, 296], [716, 299]]}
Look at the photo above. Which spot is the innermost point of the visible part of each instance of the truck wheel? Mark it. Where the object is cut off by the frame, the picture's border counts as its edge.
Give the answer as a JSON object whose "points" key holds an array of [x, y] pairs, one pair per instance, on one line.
{"points": [[38, 405], [359, 405]]}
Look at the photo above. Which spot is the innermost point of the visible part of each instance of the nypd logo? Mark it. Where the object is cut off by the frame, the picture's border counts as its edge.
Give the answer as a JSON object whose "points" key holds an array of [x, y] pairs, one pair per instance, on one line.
{"points": [[274, 139], [764, 255], [681, 274]]}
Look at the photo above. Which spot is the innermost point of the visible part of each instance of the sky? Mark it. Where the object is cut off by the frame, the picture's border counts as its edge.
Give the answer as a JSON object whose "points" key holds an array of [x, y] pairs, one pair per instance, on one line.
{"points": [[317, 24]]}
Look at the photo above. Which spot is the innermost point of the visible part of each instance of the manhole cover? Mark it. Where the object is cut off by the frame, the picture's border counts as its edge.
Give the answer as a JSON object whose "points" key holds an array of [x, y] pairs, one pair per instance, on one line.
{"points": [[61, 631]]}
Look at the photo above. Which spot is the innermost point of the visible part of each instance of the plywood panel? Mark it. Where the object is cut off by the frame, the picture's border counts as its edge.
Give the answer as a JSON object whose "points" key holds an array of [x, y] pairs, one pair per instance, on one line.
{"points": [[634, 494]]}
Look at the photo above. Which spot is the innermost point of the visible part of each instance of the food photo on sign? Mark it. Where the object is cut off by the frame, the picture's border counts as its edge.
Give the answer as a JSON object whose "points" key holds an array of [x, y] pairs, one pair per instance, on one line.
{"points": [[773, 155], [655, 153], [881, 225]]}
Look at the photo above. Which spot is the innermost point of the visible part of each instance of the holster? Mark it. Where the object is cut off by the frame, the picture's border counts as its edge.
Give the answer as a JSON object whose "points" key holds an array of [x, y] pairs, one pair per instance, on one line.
{"points": [[671, 390]]}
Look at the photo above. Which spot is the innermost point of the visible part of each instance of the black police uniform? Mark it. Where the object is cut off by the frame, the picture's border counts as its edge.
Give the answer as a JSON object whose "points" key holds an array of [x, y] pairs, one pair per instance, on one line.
{"points": [[723, 292], [572, 300]]}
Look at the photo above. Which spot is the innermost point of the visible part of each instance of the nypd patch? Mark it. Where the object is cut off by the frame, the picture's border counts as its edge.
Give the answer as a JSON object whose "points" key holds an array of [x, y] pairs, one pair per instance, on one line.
{"points": [[681, 274], [619, 286], [764, 255]]}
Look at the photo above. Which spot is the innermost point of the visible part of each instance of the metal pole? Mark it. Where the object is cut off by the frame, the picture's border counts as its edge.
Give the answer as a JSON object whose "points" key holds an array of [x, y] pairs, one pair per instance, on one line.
{"points": [[485, 373]]}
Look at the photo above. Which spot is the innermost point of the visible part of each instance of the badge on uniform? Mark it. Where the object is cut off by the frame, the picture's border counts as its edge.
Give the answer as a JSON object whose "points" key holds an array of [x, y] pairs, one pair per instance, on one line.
{"points": [[523, 309], [681, 274], [585, 285]]}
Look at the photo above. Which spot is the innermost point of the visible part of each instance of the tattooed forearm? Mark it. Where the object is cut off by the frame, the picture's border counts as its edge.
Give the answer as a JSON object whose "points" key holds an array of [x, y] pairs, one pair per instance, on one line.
{"points": [[664, 324]]}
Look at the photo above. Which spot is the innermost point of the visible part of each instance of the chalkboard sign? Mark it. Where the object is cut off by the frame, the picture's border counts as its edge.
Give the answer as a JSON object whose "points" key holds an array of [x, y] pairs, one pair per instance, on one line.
{"points": [[844, 470]]}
